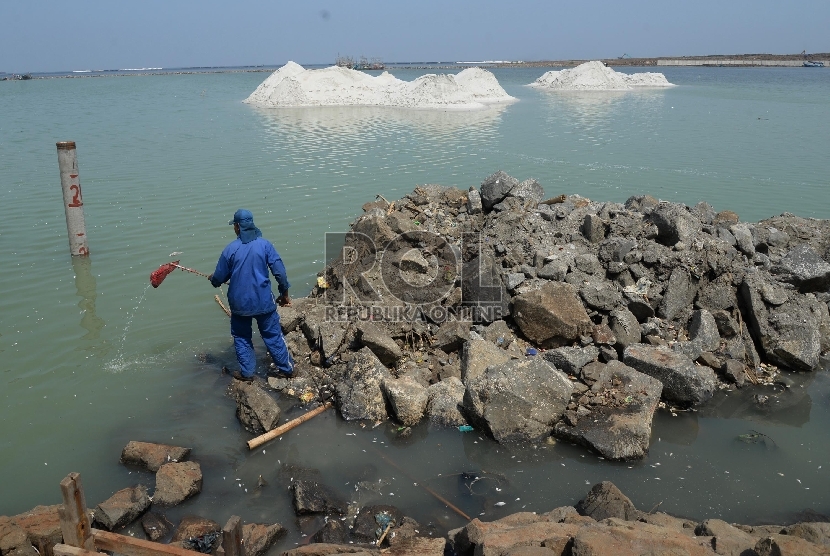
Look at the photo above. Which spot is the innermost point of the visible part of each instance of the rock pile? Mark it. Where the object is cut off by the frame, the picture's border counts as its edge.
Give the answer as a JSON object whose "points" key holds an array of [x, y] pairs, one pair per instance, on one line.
{"points": [[527, 316]]}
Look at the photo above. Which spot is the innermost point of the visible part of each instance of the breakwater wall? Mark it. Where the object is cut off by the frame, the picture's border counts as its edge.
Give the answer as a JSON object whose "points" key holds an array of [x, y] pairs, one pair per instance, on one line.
{"points": [[736, 62]]}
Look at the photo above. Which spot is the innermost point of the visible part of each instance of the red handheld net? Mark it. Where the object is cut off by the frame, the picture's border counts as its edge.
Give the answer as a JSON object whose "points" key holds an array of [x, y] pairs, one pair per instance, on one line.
{"points": [[158, 275]]}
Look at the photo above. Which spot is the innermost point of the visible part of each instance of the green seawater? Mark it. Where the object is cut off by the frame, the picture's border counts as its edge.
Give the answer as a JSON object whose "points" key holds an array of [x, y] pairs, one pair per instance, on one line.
{"points": [[91, 357]]}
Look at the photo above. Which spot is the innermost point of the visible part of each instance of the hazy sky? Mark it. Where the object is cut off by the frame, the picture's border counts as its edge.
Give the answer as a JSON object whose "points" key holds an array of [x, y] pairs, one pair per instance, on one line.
{"points": [[49, 35]]}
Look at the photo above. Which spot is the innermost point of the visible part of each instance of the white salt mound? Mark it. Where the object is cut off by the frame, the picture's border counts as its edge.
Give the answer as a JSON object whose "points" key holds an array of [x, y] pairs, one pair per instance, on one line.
{"points": [[292, 85], [595, 76]]}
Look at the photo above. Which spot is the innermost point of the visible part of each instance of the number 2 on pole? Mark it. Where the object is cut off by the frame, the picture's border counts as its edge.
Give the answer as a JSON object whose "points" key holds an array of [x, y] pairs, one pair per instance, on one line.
{"points": [[76, 198]]}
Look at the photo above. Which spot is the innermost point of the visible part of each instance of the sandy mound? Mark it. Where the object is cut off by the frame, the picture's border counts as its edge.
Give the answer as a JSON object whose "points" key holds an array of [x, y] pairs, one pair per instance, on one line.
{"points": [[291, 85], [595, 76]]}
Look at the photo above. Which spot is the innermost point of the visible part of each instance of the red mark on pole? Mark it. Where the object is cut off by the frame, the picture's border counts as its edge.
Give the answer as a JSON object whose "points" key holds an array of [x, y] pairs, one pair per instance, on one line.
{"points": [[76, 199], [79, 235], [73, 176]]}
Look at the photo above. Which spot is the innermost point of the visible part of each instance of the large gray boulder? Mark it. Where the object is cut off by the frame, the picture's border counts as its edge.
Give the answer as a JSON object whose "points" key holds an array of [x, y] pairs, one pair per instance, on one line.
{"points": [[258, 537], [477, 355], [618, 422], [451, 336], [407, 398], [518, 400], [803, 267], [789, 334], [123, 507], [495, 188], [444, 401], [680, 292], [683, 382], [257, 411], [376, 339], [571, 359], [703, 330], [605, 500], [625, 327], [674, 223], [176, 482], [313, 497], [151, 456], [528, 190], [552, 315], [359, 393]]}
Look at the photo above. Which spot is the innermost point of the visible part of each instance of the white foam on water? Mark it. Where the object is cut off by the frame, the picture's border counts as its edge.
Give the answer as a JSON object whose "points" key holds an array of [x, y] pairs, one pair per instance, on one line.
{"points": [[292, 85], [596, 76]]}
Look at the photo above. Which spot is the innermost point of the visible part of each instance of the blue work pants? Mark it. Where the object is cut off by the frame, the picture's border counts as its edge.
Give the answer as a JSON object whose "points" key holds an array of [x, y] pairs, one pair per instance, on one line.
{"points": [[271, 332]]}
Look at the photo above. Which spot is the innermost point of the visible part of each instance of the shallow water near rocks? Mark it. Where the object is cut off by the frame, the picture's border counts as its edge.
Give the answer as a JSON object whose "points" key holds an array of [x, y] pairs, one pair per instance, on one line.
{"points": [[89, 362]]}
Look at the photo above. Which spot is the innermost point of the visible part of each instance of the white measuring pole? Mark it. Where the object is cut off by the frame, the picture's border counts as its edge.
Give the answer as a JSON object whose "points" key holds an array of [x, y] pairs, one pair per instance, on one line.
{"points": [[73, 202]]}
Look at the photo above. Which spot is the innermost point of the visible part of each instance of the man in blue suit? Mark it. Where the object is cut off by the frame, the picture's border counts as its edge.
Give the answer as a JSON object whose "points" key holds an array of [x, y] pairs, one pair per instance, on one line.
{"points": [[246, 262]]}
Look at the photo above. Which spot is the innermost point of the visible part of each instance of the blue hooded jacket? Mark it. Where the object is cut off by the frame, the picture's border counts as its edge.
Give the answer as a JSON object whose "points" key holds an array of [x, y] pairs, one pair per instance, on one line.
{"points": [[246, 265]]}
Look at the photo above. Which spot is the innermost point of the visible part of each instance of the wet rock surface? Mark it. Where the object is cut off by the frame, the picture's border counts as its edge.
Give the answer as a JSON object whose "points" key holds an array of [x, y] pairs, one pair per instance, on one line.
{"points": [[151, 456], [122, 508], [256, 409], [176, 482]]}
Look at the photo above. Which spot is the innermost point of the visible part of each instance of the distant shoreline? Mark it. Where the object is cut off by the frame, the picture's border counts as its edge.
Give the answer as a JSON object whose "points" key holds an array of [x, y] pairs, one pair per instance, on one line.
{"points": [[716, 60]]}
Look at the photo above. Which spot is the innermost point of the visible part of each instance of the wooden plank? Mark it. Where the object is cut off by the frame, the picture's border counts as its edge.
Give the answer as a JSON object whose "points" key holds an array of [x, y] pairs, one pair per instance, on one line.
{"points": [[285, 427], [66, 550], [130, 546], [75, 525], [232, 537]]}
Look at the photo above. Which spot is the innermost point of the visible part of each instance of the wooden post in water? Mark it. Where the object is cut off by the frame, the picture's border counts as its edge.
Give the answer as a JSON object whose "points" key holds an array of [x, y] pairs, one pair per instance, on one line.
{"points": [[75, 525], [232, 537], [73, 203]]}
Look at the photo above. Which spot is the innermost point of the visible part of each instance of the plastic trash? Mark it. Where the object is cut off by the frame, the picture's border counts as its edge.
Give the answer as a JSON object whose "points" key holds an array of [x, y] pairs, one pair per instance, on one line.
{"points": [[531, 352], [465, 428]]}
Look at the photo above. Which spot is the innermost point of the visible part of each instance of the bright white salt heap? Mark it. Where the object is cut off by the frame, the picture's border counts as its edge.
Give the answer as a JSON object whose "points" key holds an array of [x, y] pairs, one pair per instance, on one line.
{"points": [[292, 85], [595, 76]]}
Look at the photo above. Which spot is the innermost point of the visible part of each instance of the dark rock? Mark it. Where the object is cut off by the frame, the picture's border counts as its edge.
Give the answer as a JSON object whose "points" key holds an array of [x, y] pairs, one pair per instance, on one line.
{"points": [[553, 270], [552, 315], [816, 533], [639, 307], [680, 292], [366, 526], [727, 540], [789, 335], [571, 359], [591, 372], [256, 409], [528, 190], [155, 526], [333, 531], [727, 326], [734, 371], [176, 482], [692, 350], [513, 280], [444, 401], [518, 400], [626, 328], [717, 295], [683, 381], [674, 223], [725, 218], [14, 538], [600, 295], [407, 398], [588, 263], [290, 318], [359, 393], [710, 360], [477, 355], [603, 335], [804, 268], [500, 334], [312, 497], [122, 508], [259, 537], [620, 427], [786, 545], [605, 500], [607, 353], [495, 188], [474, 204], [151, 456], [376, 229], [193, 526], [379, 342], [593, 228], [43, 528], [703, 330]]}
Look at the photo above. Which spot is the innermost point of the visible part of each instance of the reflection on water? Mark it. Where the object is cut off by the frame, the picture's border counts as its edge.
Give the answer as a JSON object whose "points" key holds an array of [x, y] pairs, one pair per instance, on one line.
{"points": [[86, 290], [775, 405], [354, 120]]}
